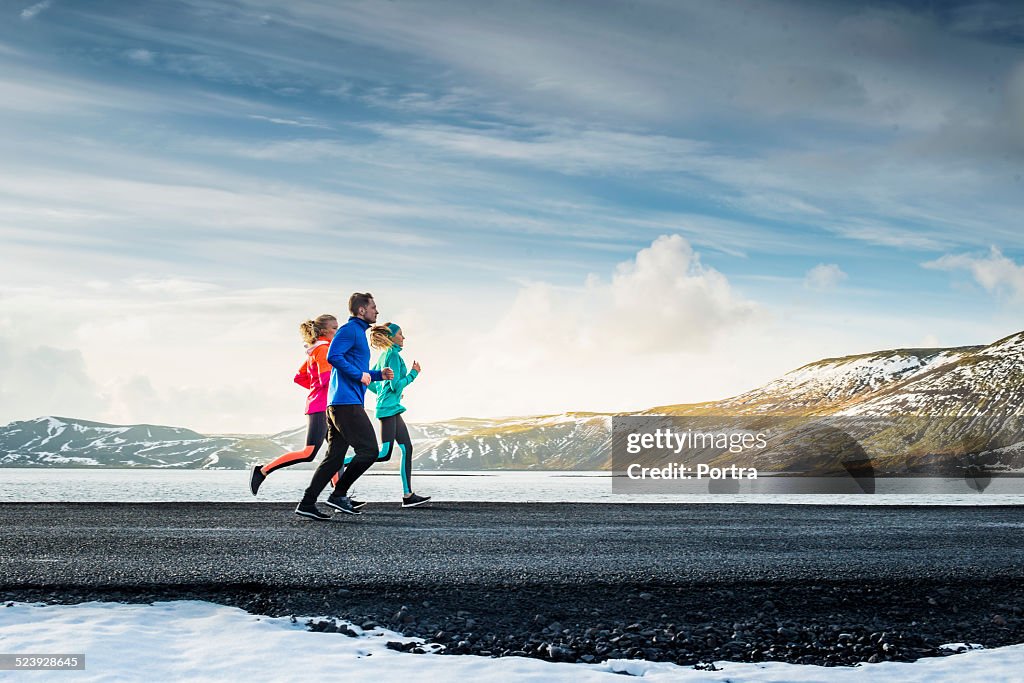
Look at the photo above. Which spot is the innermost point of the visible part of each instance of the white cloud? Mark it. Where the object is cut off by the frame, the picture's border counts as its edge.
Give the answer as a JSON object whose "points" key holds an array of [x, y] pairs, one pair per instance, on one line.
{"points": [[663, 328], [140, 55], [664, 299], [32, 11], [995, 272], [824, 276], [568, 149], [174, 350], [665, 61], [39, 379], [172, 286], [171, 351], [887, 235], [22, 96], [305, 122]]}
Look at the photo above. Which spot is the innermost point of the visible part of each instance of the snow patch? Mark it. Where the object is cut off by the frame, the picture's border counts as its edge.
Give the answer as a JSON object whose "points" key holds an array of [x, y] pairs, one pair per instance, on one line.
{"points": [[192, 640]]}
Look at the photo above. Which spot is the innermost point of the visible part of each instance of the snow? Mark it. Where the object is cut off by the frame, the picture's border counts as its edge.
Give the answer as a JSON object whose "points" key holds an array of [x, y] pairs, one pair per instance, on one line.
{"points": [[834, 381], [54, 459], [961, 647], [201, 641]]}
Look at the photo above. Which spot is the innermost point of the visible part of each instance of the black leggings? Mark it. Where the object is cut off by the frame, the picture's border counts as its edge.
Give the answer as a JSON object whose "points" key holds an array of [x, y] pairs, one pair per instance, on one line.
{"points": [[392, 431], [316, 431], [346, 426]]}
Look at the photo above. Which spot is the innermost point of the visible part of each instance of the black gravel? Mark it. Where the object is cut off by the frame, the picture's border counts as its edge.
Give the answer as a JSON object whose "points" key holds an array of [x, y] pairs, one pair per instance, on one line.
{"points": [[684, 583]]}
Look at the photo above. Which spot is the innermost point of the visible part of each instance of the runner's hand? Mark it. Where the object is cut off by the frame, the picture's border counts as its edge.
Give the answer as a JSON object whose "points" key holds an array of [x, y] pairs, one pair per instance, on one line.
{"points": [[387, 373], [366, 378], [416, 365]]}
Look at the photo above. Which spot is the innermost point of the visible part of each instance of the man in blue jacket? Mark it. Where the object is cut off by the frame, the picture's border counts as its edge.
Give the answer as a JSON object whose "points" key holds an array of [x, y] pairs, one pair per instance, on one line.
{"points": [[347, 421]]}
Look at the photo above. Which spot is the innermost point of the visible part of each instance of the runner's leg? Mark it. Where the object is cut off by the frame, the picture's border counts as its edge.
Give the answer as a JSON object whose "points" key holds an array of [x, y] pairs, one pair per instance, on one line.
{"points": [[405, 444], [355, 427], [336, 447], [387, 436], [316, 432], [337, 475]]}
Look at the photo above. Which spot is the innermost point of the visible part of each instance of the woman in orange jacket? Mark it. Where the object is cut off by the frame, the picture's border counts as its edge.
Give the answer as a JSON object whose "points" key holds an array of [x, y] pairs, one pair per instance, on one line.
{"points": [[314, 375]]}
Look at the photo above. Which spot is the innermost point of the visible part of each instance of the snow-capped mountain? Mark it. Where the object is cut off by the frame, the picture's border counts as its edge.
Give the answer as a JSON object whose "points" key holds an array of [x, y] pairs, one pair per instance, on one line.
{"points": [[919, 407], [930, 405], [64, 442], [571, 441], [823, 386]]}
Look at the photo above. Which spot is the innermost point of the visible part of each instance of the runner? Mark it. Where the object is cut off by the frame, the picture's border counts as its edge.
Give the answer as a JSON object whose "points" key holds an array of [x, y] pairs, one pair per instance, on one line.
{"points": [[314, 375], [390, 338], [347, 421]]}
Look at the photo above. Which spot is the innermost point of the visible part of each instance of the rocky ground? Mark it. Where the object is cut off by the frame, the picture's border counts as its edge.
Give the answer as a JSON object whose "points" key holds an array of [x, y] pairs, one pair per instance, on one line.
{"points": [[689, 584], [822, 623]]}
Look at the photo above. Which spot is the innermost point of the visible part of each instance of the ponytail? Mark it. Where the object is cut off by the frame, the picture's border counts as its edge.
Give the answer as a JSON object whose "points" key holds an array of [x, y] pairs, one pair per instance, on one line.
{"points": [[311, 330], [380, 337]]}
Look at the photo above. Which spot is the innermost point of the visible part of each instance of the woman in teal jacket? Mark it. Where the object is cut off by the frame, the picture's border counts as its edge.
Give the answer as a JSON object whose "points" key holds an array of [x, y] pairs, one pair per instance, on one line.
{"points": [[389, 339]]}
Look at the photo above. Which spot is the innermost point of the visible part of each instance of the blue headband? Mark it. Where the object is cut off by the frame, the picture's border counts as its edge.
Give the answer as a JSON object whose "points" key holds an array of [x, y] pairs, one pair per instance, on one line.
{"points": [[393, 329]]}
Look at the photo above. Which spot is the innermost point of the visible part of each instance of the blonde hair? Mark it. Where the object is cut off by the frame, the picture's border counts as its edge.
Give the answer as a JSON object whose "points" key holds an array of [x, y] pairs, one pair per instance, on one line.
{"points": [[380, 336], [311, 330]]}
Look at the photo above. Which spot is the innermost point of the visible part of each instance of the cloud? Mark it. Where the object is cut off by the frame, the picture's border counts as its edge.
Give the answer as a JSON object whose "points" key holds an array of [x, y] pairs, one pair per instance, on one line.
{"points": [[993, 20], [653, 329], [571, 150], [140, 55], [664, 298], [39, 379], [837, 168], [824, 276], [172, 286], [995, 272], [846, 64], [1015, 106], [164, 351], [301, 123], [597, 344], [887, 235], [32, 11]]}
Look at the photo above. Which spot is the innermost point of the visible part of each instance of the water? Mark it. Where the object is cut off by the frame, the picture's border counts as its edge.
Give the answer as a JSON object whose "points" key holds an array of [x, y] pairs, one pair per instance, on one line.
{"points": [[150, 485]]}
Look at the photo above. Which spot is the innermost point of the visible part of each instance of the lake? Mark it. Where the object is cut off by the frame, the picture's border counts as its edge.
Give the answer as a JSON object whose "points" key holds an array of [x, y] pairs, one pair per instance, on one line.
{"points": [[153, 485]]}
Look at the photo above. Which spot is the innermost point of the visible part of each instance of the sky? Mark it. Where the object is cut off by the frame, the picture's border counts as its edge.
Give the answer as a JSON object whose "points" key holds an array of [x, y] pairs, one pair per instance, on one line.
{"points": [[567, 206]]}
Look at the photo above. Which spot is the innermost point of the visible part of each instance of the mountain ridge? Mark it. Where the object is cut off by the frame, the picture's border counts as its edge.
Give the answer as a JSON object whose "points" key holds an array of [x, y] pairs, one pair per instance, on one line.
{"points": [[982, 382]]}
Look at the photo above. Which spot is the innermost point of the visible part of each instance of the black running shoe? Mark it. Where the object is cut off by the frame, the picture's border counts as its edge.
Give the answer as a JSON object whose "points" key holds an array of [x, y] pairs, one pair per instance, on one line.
{"points": [[311, 511], [412, 500], [357, 504], [343, 504], [256, 478]]}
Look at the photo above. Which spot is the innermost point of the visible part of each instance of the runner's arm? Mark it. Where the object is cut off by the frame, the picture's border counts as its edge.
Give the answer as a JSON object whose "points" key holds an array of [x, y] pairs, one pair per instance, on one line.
{"points": [[302, 377], [398, 384], [343, 342]]}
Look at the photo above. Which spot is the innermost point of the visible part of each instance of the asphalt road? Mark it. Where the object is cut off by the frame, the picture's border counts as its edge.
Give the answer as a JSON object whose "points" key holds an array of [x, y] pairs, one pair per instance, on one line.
{"points": [[91, 545]]}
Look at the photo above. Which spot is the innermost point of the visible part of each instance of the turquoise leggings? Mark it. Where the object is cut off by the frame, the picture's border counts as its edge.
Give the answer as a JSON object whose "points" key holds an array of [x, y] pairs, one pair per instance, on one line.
{"points": [[393, 431]]}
